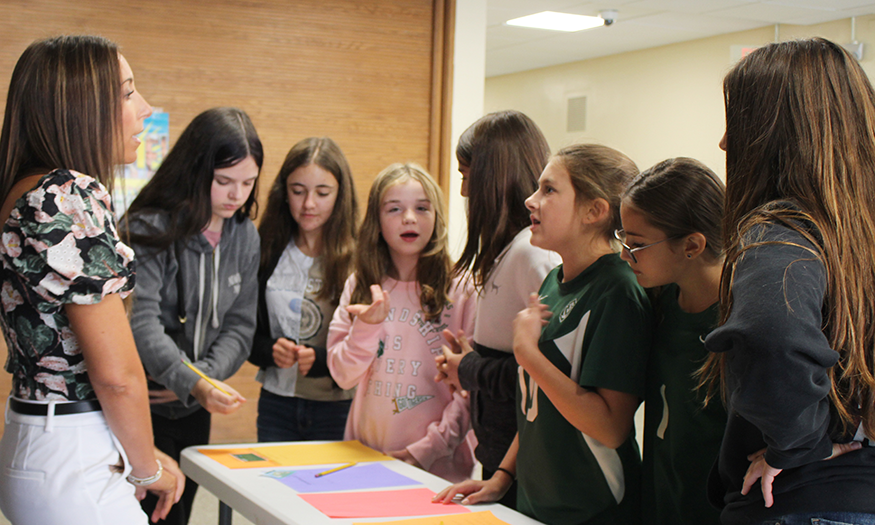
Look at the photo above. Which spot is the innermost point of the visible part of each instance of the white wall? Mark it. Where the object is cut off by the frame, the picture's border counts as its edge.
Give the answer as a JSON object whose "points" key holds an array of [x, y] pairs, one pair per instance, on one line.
{"points": [[655, 103], [469, 70], [651, 104]]}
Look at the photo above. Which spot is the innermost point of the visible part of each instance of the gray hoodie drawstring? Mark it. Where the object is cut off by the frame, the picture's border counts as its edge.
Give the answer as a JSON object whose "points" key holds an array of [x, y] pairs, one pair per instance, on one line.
{"points": [[200, 308]]}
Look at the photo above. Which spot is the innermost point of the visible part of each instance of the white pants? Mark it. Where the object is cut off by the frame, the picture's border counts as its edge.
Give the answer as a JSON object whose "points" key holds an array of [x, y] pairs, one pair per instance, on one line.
{"points": [[56, 469]]}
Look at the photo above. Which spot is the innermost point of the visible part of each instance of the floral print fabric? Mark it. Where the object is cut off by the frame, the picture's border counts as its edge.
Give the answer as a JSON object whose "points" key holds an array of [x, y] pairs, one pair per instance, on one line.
{"points": [[60, 245]]}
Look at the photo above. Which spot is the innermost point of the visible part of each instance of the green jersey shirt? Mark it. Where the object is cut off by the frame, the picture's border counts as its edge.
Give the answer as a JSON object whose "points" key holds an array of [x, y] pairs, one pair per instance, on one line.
{"points": [[599, 336], [681, 438]]}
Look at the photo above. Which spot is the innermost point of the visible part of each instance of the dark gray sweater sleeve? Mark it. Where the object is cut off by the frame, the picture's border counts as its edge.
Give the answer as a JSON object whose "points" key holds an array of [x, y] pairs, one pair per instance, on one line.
{"points": [[776, 351], [495, 376]]}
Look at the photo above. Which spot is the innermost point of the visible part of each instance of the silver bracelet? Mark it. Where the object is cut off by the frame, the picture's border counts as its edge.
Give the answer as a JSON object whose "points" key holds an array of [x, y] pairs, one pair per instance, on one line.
{"points": [[145, 482]]}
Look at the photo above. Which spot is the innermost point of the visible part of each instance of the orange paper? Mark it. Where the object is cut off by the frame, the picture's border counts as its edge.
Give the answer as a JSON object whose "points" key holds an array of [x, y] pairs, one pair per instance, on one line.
{"points": [[238, 457]]}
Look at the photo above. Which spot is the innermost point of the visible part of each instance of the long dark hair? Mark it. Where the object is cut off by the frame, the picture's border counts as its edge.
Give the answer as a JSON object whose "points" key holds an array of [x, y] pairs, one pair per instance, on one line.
{"points": [[63, 110], [800, 128], [679, 197], [217, 138], [278, 227], [505, 153]]}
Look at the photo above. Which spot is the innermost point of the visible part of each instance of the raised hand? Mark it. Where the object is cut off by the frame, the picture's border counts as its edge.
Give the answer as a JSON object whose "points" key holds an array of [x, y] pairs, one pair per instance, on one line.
{"points": [[376, 312]]}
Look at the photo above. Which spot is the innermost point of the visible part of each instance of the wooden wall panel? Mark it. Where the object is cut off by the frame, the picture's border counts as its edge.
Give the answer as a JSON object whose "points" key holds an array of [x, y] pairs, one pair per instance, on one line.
{"points": [[359, 71]]}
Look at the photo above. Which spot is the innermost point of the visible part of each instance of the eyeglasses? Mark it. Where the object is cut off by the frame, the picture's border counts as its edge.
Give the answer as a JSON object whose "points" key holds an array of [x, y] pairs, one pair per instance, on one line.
{"points": [[620, 235]]}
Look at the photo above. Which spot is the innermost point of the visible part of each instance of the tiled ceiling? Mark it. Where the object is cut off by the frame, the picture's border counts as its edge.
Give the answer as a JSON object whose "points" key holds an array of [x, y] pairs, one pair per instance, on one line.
{"points": [[640, 24]]}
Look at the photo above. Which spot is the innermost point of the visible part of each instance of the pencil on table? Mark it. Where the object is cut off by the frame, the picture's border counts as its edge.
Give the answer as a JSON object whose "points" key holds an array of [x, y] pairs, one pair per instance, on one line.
{"points": [[335, 469]]}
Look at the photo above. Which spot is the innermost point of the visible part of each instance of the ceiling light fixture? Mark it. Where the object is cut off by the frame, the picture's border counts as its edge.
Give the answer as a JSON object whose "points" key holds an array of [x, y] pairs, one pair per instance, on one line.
{"points": [[557, 21]]}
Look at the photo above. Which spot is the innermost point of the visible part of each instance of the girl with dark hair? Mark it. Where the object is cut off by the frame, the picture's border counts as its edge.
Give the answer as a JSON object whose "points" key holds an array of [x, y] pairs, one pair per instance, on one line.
{"points": [[793, 355], [582, 346], [671, 238], [387, 328], [77, 447], [307, 242], [196, 289], [500, 157]]}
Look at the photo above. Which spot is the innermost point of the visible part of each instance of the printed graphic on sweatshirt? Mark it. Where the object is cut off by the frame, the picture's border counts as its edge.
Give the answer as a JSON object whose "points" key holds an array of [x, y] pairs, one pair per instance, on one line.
{"points": [[234, 282], [311, 319], [404, 362]]}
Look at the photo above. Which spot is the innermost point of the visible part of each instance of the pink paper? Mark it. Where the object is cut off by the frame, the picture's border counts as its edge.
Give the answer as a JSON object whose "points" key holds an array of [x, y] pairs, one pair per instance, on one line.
{"points": [[380, 504]]}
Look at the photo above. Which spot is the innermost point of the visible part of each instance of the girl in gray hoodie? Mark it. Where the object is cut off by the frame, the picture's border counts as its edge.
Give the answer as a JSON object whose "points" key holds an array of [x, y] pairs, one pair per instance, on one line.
{"points": [[197, 262]]}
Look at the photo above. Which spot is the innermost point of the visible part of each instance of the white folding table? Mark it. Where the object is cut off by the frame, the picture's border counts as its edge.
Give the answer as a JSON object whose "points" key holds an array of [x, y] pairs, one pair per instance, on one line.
{"points": [[265, 501]]}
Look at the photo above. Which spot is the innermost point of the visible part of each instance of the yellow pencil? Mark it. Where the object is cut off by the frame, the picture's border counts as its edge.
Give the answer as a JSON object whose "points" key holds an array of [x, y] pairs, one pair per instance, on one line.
{"points": [[336, 469], [207, 379]]}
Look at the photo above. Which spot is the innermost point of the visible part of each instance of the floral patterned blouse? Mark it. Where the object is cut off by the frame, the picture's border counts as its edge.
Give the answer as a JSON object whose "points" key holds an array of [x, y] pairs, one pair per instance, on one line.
{"points": [[60, 245]]}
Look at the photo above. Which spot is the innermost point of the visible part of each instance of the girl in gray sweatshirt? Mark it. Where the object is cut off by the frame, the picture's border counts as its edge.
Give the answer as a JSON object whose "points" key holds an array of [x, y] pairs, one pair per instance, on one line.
{"points": [[197, 262]]}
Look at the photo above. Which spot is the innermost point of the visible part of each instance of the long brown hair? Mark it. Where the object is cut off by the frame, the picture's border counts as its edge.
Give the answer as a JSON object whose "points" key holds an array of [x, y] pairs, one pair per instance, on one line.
{"points": [[63, 110], [599, 172], [278, 227], [372, 260], [505, 153], [800, 128]]}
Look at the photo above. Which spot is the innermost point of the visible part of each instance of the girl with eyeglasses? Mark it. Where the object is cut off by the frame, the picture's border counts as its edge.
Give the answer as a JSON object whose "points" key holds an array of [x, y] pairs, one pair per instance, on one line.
{"points": [[672, 240], [582, 346]]}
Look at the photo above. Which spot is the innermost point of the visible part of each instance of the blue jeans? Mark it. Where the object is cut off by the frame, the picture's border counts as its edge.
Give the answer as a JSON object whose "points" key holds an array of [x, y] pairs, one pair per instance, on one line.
{"points": [[824, 518], [283, 418]]}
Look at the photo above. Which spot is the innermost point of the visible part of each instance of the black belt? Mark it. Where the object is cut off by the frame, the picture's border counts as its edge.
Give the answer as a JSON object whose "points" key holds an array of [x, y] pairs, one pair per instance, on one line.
{"points": [[61, 409]]}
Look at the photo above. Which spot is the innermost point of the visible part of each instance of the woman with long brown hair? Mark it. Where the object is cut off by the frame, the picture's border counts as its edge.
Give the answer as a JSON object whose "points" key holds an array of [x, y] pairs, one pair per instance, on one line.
{"points": [[77, 447], [794, 353]]}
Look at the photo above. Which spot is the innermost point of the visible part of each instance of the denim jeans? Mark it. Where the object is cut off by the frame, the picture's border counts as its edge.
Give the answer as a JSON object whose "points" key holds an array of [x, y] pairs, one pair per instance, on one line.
{"points": [[824, 518], [283, 418]]}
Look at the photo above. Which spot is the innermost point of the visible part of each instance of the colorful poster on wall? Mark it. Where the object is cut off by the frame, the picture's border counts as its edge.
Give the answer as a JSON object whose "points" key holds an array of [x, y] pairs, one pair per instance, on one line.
{"points": [[154, 145]]}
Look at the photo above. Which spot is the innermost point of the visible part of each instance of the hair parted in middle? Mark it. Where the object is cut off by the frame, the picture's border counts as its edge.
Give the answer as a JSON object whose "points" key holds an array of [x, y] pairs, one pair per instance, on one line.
{"points": [[681, 196], [372, 260], [505, 152], [278, 227], [217, 138], [598, 172]]}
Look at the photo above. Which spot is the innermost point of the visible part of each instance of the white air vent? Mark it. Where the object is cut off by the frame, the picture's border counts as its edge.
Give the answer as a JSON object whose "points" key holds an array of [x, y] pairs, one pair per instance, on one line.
{"points": [[576, 114]]}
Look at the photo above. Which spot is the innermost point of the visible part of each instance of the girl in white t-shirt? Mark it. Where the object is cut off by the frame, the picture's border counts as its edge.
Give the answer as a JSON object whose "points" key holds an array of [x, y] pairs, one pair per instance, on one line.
{"points": [[307, 241]]}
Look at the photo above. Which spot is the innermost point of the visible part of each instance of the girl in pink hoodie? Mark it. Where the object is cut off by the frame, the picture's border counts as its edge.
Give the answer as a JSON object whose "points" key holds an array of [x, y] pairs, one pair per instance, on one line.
{"points": [[388, 328]]}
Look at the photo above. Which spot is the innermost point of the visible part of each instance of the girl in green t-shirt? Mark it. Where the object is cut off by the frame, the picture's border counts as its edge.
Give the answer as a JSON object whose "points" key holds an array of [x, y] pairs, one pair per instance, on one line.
{"points": [[674, 210], [582, 346]]}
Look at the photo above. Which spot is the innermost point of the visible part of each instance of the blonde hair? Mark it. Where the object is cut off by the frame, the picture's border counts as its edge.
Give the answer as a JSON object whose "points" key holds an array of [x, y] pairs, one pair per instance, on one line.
{"points": [[372, 260]]}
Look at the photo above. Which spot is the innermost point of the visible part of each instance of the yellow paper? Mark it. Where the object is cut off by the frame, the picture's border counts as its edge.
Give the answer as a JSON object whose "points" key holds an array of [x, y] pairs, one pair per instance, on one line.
{"points": [[301, 454], [471, 518], [297, 455]]}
